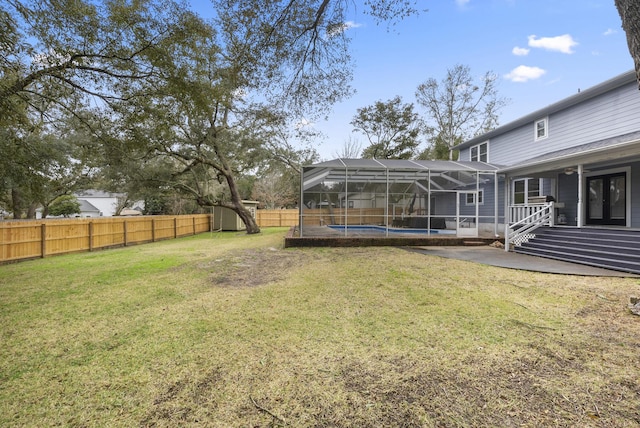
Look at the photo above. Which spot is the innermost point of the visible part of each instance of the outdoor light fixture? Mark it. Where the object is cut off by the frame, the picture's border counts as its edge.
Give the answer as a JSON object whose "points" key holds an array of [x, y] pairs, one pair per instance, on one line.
{"points": [[568, 171]]}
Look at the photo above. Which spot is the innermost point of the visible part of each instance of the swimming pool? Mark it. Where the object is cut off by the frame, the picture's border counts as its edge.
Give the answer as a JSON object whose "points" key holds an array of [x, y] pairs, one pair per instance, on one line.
{"points": [[383, 229]]}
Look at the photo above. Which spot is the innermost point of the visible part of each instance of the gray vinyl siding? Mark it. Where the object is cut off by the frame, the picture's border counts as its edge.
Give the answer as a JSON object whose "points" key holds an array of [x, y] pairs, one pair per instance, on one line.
{"points": [[446, 203], [614, 113], [567, 185]]}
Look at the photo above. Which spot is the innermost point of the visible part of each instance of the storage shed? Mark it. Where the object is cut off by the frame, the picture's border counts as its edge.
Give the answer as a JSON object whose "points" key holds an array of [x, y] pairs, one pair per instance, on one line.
{"points": [[226, 219]]}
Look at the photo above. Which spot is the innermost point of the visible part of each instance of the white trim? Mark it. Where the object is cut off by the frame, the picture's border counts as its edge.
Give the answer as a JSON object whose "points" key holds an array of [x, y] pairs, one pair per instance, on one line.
{"points": [[477, 146], [526, 181], [627, 171], [480, 192], [545, 121]]}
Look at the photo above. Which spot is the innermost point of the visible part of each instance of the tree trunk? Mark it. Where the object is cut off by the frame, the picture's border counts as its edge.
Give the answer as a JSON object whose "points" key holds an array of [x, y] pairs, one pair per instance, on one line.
{"points": [[238, 206], [16, 203], [629, 11], [31, 211]]}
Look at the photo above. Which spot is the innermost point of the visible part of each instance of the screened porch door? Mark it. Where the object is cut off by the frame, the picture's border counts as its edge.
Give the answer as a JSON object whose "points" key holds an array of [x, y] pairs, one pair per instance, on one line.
{"points": [[467, 225], [607, 199]]}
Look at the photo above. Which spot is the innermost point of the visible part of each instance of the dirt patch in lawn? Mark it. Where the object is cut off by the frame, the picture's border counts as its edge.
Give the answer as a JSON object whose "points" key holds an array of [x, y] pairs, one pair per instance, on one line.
{"points": [[253, 267]]}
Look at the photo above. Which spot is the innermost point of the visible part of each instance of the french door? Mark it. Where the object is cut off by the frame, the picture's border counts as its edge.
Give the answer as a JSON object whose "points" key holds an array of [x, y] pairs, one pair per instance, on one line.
{"points": [[607, 204]]}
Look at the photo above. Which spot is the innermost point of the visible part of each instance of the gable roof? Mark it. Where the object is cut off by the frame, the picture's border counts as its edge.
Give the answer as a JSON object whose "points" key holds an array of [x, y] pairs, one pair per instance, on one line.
{"points": [[616, 82], [87, 207]]}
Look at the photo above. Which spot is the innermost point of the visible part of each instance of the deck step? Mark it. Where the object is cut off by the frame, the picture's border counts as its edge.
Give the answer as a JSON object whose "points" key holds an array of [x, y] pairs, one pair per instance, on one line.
{"points": [[604, 248]]}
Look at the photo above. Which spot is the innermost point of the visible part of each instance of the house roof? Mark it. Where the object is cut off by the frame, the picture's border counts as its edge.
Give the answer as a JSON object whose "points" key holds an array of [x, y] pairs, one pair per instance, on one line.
{"points": [[622, 79], [442, 174], [87, 207]]}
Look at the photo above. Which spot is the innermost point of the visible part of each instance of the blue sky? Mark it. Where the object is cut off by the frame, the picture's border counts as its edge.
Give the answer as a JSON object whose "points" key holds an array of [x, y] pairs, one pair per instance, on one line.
{"points": [[542, 51]]}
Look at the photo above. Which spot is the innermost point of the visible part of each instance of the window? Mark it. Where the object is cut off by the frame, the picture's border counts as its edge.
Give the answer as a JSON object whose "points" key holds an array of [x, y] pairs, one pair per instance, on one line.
{"points": [[480, 153], [470, 198], [524, 189], [541, 129]]}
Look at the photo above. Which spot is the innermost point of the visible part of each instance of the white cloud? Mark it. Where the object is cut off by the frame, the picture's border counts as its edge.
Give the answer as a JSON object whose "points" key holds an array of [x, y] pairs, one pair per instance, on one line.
{"points": [[609, 32], [563, 43], [518, 51], [525, 73], [341, 28]]}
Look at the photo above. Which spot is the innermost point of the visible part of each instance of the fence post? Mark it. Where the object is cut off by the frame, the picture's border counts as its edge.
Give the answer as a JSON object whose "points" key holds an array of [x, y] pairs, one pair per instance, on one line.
{"points": [[175, 227], [153, 230], [124, 227], [194, 224], [43, 241], [90, 236]]}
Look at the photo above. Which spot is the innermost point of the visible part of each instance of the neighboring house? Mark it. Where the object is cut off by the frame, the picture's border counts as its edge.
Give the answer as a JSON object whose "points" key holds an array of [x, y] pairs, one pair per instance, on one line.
{"points": [[105, 202]]}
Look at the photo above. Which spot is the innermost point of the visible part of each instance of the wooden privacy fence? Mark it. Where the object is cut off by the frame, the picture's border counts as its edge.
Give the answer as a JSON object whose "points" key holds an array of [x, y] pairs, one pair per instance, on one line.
{"points": [[40, 238], [352, 216], [277, 218], [28, 239]]}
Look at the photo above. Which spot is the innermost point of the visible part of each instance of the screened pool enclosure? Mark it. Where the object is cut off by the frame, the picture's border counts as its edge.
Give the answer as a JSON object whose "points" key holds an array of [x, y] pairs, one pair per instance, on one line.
{"points": [[370, 197]]}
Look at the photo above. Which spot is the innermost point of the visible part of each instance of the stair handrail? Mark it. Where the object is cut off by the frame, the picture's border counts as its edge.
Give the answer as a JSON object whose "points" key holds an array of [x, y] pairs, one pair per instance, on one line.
{"points": [[542, 215]]}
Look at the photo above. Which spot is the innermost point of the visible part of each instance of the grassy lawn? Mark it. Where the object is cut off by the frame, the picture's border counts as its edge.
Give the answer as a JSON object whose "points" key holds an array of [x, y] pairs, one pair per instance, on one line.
{"points": [[231, 330]]}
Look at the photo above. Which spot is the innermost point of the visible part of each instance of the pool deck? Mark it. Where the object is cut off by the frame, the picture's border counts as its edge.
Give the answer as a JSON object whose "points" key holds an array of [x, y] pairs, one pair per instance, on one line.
{"points": [[323, 236]]}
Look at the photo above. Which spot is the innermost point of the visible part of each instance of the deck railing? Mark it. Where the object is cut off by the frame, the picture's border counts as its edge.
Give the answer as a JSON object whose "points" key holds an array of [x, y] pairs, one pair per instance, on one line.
{"points": [[525, 219]]}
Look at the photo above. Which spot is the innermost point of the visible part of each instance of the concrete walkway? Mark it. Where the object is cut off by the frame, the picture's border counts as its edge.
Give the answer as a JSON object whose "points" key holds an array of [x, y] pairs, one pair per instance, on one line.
{"points": [[501, 258]]}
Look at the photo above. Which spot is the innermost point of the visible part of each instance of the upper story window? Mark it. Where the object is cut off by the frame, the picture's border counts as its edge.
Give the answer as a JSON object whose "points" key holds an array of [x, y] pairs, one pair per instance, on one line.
{"points": [[480, 153], [542, 128]]}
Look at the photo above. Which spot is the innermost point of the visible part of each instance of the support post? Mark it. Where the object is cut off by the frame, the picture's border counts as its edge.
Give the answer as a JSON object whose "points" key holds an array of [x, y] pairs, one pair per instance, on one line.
{"points": [[43, 240], [90, 236], [580, 201], [124, 228]]}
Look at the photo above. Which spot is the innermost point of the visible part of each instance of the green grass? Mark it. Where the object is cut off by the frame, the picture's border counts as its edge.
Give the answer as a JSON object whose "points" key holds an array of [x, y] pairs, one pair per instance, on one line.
{"points": [[232, 330]]}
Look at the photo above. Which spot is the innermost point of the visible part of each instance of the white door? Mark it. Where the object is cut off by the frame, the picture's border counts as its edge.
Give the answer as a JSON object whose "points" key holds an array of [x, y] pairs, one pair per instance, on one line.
{"points": [[467, 214]]}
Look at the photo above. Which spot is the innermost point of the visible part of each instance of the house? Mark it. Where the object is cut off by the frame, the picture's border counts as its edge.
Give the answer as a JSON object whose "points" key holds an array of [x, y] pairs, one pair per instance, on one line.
{"points": [[583, 152], [572, 166], [106, 203]]}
